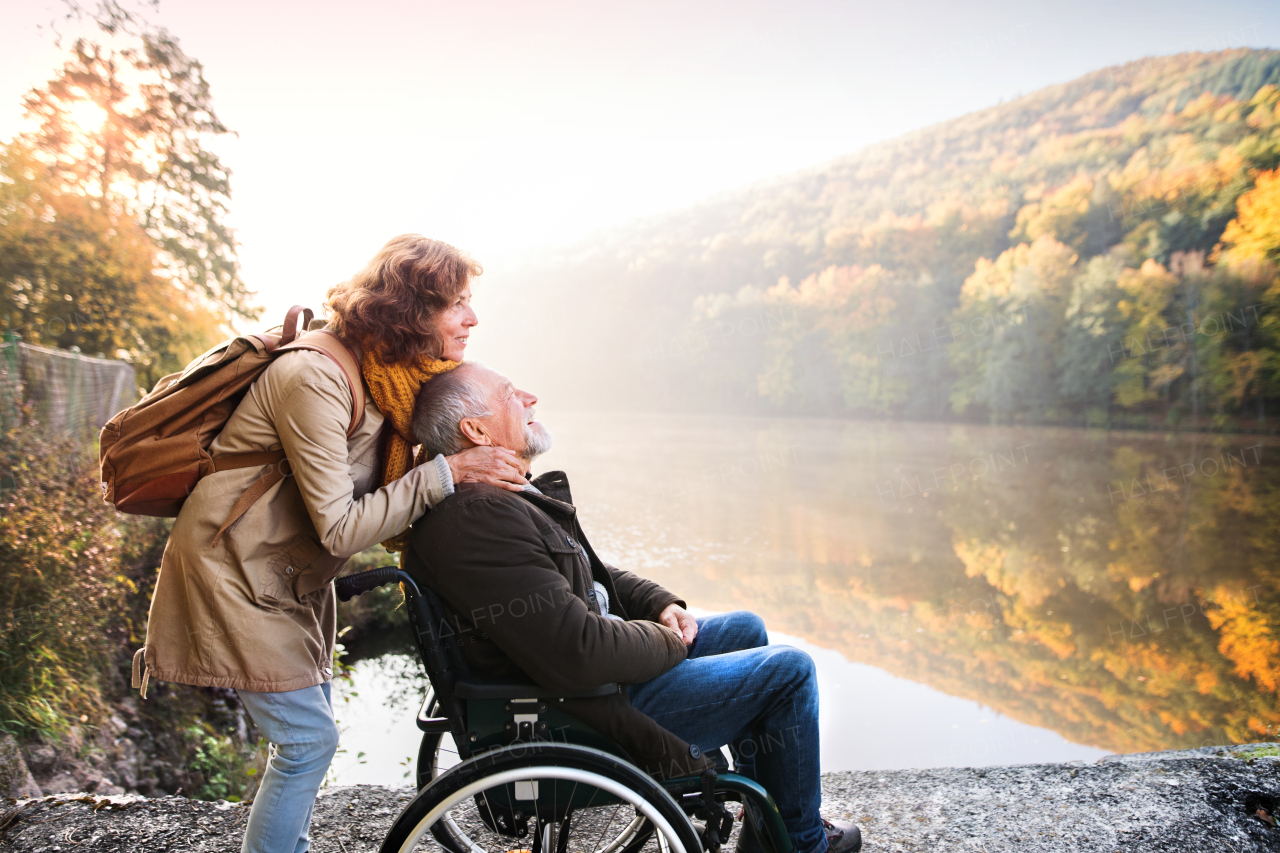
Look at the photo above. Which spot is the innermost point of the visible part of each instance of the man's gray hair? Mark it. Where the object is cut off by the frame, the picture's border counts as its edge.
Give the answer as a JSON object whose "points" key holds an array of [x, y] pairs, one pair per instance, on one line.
{"points": [[442, 404]]}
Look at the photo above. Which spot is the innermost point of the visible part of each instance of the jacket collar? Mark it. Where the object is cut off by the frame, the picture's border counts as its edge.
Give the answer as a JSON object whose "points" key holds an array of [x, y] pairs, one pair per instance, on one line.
{"points": [[553, 495], [554, 484]]}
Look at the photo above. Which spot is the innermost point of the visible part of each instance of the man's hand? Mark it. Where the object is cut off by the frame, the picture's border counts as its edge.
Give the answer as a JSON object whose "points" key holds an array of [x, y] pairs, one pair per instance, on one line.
{"points": [[678, 619]]}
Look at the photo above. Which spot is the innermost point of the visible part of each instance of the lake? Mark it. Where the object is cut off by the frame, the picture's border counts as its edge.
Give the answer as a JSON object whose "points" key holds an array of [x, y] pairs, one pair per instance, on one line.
{"points": [[971, 595]]}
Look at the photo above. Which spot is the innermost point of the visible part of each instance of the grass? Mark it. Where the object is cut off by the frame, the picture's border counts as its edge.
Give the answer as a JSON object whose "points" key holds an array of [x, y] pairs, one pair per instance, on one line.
{"points": [[1257, 752]]}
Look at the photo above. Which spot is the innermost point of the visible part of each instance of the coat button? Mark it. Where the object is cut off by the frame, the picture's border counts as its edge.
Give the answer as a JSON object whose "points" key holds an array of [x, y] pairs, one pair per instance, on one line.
{"points": [[288, 570], [572, 544]]}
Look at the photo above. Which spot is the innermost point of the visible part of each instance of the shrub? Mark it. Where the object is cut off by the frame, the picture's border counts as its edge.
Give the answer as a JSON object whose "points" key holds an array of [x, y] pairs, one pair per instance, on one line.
{"points": [[75, 578], [220, 762]]}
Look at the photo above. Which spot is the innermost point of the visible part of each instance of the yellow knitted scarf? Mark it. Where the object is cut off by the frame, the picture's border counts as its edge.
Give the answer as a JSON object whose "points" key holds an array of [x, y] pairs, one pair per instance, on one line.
{"points": [[395, 390]]}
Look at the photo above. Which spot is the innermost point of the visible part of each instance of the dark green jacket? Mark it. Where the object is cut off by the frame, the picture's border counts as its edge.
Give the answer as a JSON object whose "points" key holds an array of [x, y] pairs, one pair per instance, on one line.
{"points": [[516, 572]]}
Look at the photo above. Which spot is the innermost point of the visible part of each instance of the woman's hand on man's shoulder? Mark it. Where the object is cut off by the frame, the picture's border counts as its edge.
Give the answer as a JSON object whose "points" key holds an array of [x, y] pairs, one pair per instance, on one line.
{"points": [[496, 466]]}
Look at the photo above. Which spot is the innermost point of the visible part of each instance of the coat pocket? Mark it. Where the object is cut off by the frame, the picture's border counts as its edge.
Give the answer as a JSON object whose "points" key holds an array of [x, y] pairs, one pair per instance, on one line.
{"points": [[298, 570], [559, 542], [571, 561]]}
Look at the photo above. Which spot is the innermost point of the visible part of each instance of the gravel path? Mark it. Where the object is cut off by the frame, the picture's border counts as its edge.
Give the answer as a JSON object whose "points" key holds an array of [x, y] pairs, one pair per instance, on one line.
{"points": [[1190, 802]]}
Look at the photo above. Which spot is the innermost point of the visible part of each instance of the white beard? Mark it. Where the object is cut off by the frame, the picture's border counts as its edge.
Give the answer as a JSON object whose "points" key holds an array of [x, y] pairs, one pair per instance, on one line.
{"points": [[537, 441]]}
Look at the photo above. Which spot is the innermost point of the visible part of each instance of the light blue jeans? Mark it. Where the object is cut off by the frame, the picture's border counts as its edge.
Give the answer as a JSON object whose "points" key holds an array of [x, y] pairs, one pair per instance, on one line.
{"points": [[301, 727], [734, 688]]}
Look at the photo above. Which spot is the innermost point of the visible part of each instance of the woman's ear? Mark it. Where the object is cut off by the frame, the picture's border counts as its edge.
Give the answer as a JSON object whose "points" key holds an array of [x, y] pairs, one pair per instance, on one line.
{"points": [[473, 429]]}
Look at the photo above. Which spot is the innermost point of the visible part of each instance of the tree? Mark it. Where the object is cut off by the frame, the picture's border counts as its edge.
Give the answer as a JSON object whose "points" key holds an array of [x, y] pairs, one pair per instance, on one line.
{"points": [[1255, 232], [74, 272], [126, 121], [1062, 214], [1009, 328], [1092, 344], [112, 231]]}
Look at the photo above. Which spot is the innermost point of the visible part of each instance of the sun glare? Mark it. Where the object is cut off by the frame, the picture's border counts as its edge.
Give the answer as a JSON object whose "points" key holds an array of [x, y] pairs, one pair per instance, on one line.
{"points": [[87, 116]]}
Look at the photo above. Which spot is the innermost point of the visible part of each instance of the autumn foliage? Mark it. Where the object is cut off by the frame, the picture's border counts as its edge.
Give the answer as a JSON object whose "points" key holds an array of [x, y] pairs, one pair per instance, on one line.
{"points": [[112, 209], [1097, 253]]}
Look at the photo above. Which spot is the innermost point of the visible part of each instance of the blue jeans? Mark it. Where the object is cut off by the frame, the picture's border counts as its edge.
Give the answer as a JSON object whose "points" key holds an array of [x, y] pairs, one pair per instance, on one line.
{"points": [[762, 700], [300, 725]]}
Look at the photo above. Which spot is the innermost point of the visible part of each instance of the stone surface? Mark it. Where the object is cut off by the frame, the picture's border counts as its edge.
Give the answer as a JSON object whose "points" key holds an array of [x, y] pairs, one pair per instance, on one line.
{"points": [[1198, 803], [1202, 800], [62, 783], [41, 759], [15, 779]]}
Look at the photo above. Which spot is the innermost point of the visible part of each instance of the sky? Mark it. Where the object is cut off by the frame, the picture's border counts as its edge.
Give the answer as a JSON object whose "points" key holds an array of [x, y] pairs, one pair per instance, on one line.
{"points": [[509, 127]]}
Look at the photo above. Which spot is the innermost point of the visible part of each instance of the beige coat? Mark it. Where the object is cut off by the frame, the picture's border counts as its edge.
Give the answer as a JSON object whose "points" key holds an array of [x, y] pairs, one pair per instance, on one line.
{"points": [[257, 611]]}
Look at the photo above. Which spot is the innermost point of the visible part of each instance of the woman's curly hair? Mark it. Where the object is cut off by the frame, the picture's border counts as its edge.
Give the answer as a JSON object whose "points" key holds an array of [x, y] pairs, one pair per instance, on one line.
{"points": [[391, 305]]}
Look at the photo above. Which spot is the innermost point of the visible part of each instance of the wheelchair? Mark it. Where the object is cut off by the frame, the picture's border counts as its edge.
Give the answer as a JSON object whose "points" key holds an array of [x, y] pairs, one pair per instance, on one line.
{"points": [[526, 777]]}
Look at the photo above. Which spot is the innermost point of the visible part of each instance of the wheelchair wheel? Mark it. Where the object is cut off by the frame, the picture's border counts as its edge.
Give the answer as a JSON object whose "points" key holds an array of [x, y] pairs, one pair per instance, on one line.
{"points": [[437, 754], [543, 798]]}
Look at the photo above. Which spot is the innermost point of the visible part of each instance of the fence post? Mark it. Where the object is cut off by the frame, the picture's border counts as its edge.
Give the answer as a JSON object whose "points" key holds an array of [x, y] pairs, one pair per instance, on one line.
{"points": [[10, 381], [71, 420]]}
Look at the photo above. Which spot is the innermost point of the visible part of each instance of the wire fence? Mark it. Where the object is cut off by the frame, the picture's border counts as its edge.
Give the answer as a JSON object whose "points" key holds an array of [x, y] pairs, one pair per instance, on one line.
{"points": [[68, 394]]}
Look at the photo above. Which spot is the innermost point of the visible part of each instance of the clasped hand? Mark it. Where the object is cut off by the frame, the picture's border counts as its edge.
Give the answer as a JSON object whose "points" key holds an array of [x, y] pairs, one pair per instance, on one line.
{"points": [[678, 619]]}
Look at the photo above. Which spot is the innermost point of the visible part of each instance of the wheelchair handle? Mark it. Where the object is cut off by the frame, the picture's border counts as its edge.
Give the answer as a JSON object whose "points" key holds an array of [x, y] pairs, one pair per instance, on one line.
{"points": [[352, 585]]}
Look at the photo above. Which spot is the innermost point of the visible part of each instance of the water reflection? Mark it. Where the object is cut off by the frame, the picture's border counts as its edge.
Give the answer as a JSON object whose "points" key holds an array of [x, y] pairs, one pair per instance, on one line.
{"points": [[1117, 589], [376, 710]]}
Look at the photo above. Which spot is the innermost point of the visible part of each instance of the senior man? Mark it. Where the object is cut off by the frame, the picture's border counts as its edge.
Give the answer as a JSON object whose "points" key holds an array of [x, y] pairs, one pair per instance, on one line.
{"points": [[707, 682]]}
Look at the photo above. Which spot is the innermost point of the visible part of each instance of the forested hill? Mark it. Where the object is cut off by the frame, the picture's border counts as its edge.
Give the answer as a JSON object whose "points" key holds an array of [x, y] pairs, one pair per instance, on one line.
{"points": [[1095, 252]]}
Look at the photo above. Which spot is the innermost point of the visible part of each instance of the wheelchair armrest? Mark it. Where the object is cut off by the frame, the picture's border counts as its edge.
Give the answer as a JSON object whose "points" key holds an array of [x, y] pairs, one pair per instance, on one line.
{"points": [[514, 687], [432, 725]]}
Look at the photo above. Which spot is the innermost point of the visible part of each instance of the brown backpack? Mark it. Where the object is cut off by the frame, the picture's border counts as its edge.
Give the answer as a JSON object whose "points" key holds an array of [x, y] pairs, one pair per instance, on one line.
{"points": [[153, 453]]}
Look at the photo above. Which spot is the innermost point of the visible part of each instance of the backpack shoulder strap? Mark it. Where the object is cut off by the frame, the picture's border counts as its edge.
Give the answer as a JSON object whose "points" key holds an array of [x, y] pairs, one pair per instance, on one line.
{"points": [[329, 344]]}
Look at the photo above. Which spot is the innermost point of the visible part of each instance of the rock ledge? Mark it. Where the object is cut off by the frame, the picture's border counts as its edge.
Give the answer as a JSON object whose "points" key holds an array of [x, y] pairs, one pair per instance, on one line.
{"points": [[1209, 799]]}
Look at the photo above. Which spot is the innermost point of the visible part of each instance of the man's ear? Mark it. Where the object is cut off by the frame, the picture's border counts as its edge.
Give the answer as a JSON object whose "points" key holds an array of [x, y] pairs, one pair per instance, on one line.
{"points": [[473, 429]]}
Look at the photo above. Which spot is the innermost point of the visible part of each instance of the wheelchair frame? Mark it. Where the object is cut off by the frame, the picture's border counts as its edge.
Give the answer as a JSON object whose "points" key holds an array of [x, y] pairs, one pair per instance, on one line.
{"points": [[486, 715]]}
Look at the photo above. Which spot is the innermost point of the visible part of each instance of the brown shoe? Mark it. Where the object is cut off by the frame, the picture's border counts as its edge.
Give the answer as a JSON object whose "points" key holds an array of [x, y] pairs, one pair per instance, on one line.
{"points": [[842, 836]]}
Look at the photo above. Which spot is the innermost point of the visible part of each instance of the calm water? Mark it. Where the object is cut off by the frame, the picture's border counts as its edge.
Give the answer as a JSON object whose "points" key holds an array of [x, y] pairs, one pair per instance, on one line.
{"points": [[972, 595]]}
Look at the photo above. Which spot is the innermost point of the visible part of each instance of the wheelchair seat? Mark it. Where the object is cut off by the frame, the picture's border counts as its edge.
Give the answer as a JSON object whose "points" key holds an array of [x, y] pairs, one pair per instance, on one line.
{"points": [[508, 687]]}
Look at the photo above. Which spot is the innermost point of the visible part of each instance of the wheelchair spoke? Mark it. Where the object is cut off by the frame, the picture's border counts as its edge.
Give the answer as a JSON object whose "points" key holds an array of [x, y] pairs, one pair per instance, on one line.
{"points": [[540, 829], [633, 830], [492, 819], [595, 845], [562, 835], [564, 828], [540, 837]]}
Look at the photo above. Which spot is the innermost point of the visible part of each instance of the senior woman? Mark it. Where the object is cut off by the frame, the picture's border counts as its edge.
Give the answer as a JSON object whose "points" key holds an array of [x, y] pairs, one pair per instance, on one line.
{"points": [[254, 609]]}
